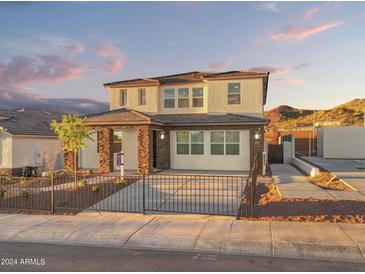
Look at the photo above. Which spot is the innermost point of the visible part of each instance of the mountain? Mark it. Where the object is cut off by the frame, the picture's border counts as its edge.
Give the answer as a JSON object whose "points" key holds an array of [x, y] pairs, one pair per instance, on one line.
{"points": [[286, 117]]}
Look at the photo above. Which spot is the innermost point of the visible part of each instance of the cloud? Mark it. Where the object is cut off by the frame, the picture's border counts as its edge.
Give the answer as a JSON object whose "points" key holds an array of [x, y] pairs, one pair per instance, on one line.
{"points": [[272, 69], [307, 14], [21, 70], [289, 82], [63, 43], [113, 66], [220, 64], [106, 49], [302, 33], [17, 99], [269, 6]]}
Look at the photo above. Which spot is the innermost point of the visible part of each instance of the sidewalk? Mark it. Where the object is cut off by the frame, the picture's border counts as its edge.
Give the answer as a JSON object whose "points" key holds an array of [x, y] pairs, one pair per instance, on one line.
{"points": [[342, 242], [292, 184]]}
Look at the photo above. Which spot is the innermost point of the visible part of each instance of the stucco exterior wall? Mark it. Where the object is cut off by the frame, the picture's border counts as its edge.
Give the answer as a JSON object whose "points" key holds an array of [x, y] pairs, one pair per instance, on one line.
{"points": [[152, 99], [344, 142], [215, 97], [5, 150], [25, 148], [251, 96], [212, 162], [89, 157]]}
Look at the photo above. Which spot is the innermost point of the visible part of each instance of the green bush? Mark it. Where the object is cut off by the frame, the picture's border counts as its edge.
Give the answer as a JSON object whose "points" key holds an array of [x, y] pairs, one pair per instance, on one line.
{"points": [[96, 189], [84, 181]]}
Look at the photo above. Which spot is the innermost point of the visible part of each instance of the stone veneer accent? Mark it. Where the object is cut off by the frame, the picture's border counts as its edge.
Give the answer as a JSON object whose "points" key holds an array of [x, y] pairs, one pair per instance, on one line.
{"points": [[6, 171], [68, 161], [163, 150], [106, 150], [144, 149]]}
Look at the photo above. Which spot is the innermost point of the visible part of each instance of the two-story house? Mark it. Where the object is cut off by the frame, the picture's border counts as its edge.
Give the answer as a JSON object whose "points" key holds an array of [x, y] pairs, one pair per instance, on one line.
{"points": [[191, 121]]}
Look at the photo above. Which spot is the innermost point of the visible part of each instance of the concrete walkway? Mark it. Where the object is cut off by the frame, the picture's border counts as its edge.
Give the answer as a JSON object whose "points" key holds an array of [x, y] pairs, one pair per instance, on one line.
{"points": [[292, 184], [350, 171], [330, 241]]}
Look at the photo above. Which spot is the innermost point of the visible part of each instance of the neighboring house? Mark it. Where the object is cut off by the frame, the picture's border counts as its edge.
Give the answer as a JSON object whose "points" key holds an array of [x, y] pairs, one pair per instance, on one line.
{"points": [[341, 142], [24, 135], [195, 120]]}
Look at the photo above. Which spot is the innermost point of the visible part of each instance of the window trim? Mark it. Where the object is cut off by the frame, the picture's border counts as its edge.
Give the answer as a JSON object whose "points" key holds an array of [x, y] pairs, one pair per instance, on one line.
{"points": [[164, 98], [197, 97], [234, 93], [123, 101], [140, 103], [184, 98]]}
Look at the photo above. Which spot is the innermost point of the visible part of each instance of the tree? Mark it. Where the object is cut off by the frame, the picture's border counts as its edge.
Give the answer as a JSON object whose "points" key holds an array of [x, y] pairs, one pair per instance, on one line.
{"points": [[72, 131], [50, 158]]}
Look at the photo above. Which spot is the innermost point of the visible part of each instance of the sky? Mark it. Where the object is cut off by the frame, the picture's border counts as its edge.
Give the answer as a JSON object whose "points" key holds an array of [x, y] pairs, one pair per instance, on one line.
{"points": [[57, 55]]}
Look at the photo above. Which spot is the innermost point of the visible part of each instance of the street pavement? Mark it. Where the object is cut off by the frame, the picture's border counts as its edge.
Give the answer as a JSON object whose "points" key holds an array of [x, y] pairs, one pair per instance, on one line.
{"points": [[220, 235], [47, 257]]}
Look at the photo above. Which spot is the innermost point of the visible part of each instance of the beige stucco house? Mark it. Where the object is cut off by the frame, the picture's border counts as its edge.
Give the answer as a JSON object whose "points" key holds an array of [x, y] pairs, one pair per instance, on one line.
{"points": [[191, 121], [24, 135]]}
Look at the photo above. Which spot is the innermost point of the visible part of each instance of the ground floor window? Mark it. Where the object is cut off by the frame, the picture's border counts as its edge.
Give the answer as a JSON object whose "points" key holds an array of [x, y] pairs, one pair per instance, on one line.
{"points": [[225, 142], [190, 142]]}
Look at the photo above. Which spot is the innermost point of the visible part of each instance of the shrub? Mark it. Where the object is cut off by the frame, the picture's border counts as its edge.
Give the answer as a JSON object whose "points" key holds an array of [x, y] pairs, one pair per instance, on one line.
{"points": [[96, 189], [84, 181], [2, 192]]}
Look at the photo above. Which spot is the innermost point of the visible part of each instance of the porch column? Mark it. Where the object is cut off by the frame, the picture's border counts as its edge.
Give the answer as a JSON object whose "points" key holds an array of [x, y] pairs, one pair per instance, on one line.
{"points": [[144, 149], [256, 146], [106, 150]]}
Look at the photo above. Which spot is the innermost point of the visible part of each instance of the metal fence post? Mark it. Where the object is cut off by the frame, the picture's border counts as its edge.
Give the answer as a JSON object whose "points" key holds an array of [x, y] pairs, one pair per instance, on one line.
{"points": [[143, 192], [52, 193]]}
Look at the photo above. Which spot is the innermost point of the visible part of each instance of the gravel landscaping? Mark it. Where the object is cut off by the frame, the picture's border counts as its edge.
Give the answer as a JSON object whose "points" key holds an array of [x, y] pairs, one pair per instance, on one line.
{"points": [[271, 207]]}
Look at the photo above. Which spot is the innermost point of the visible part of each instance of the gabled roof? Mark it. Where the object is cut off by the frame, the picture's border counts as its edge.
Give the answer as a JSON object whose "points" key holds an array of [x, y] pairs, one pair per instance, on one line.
{"points": [[126, 116], [192, 77], [28, 121]]}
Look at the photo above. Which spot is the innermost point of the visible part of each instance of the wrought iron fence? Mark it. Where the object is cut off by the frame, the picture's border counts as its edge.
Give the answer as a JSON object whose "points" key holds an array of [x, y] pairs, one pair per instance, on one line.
{"points": [[218, 195]]}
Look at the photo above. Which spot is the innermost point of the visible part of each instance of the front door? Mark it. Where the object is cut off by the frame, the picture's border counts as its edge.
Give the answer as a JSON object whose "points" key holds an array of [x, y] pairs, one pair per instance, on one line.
{"points": [[117, 148]]}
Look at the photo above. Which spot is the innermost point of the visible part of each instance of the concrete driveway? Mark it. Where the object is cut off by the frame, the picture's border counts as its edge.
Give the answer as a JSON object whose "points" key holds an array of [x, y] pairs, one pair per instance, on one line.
{"points": [[350, 171], [216, 195]]}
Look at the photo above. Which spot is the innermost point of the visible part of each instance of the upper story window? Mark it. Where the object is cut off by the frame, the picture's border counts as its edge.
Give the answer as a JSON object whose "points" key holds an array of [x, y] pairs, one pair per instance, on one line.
{"points": [[123, 97], [198, 98], [169, 98], [183, 97], [142, 96], [234, 93]]}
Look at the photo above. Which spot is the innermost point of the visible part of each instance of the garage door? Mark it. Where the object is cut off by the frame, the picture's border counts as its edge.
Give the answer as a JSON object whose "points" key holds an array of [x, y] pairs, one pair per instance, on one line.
{"points": [[210, 150]]}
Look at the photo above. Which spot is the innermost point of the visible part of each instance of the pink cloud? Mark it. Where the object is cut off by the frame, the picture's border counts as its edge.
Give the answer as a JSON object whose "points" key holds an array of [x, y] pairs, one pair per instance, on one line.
{"points": [[220, 64], [272, 69], [307, 14], [302, 33], [76, 48], [20, 71], [106, 49], [113, 66]]}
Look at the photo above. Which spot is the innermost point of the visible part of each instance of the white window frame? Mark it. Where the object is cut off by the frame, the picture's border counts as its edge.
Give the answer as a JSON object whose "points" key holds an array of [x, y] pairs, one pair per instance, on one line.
{"points": [[225, 142], [183, 98], [123, 100], [140, 102], [197, 97], [234, 93], [164, 98], [189, 142]]}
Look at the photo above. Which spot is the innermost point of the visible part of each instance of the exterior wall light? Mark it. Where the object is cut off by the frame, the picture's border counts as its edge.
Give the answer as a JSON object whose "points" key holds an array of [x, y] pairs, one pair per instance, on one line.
{"points": [[257, 135], [162, 135]]}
